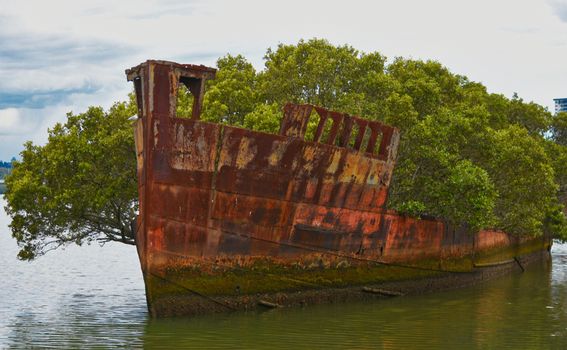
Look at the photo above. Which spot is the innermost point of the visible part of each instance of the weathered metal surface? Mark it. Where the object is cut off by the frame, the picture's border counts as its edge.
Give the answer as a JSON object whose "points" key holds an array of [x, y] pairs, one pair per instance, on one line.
{"points": [[215, 198]]}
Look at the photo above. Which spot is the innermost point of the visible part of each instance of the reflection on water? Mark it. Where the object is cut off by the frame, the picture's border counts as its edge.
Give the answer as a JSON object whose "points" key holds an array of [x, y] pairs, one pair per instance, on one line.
{"points": [[524, 311], [77, 297], [94, 297]]}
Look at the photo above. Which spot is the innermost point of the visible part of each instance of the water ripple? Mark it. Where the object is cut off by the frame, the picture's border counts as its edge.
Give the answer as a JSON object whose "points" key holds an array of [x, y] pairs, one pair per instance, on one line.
{"points": [[92, 297]]}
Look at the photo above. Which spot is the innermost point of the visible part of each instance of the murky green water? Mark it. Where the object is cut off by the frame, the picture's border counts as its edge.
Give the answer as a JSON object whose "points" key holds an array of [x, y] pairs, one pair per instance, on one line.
{"points": [[92, 297]]}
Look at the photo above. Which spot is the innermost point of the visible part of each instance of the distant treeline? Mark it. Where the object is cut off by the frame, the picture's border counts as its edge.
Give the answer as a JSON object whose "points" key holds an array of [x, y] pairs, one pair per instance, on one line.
{"points": [[6, 164], [5, 169]]}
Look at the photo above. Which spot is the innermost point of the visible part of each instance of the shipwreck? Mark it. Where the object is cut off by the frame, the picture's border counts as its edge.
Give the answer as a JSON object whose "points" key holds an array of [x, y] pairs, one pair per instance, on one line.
{"points": [[232, 218]]}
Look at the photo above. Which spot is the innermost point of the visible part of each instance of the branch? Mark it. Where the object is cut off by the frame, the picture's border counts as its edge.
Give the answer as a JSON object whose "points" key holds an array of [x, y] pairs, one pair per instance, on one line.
{"points": [[109, 238]]}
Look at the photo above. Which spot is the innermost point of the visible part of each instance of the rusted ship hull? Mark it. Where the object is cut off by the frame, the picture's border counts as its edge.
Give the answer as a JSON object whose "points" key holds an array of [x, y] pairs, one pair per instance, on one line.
{"points": [[230, 217]]}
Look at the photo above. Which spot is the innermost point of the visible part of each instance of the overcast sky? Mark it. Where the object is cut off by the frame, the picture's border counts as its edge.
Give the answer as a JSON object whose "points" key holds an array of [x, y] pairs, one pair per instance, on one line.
{"points": [[59, 56]]}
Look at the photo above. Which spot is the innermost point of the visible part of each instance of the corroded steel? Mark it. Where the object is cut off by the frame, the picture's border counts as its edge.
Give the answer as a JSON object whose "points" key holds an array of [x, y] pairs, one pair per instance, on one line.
{"points": [[217, 201]]}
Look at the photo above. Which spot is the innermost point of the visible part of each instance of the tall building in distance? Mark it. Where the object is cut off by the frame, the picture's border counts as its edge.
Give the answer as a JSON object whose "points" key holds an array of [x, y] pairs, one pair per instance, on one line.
{"points": [[560, 105]]}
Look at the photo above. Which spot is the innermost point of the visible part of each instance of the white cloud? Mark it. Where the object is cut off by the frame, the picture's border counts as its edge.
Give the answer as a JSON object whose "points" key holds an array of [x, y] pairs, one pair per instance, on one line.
{"points": [[67, 55], [560, 9], [9, 119], [27, 124]]}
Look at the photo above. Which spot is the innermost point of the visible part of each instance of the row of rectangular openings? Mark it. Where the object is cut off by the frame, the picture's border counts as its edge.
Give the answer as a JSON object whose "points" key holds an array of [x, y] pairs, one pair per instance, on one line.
{"points": [[185, 102], [355, 140]]}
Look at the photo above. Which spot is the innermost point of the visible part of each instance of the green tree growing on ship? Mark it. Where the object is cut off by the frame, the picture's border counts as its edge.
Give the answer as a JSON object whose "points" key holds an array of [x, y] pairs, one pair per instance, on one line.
{"points": [[466, 155]]}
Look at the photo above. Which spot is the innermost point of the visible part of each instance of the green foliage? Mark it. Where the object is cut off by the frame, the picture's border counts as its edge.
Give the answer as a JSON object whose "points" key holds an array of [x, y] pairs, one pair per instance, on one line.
{"points": [[531, 116], [184, 107], [412, 208], [430, 170], [465, 155], [335, 77], [559, 128], [469, 196], [430, 85], [79, 187], [229, 97], [233, 93], [557, 153], [524, 176], [264, 118], [555, 223], [309, 72]]}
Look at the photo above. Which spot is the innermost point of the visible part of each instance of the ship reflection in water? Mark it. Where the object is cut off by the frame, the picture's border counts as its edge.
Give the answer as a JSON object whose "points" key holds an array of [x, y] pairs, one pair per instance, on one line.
{"points": [[522, 311], [94, 297]]}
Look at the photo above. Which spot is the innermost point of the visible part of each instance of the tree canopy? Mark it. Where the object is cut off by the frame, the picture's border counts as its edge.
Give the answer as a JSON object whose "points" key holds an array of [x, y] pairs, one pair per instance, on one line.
{"points": [[466, 155], [79, 187]]}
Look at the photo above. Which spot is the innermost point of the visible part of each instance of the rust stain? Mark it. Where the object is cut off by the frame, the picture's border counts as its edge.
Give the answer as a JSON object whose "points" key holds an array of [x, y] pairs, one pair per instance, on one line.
{"points": [[246, 153]]}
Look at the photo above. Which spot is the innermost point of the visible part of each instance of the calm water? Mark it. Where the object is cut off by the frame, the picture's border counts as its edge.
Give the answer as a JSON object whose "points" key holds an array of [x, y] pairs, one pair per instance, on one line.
{"points": [[93, 297]]}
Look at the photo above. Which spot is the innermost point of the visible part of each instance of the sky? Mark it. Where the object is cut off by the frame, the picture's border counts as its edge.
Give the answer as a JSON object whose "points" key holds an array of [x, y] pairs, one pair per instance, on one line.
{"points": [[62, 56]]}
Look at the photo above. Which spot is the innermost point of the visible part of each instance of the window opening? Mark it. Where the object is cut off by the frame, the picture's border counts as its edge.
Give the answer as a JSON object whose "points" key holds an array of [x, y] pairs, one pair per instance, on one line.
{"points": [[312, 124], [185, 102], [365, 139], [376, 150], [327, 130], [353, 135]]}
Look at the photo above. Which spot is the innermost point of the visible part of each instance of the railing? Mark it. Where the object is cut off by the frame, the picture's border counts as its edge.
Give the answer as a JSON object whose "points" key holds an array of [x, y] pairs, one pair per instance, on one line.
{"points": [[339, 129]]}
